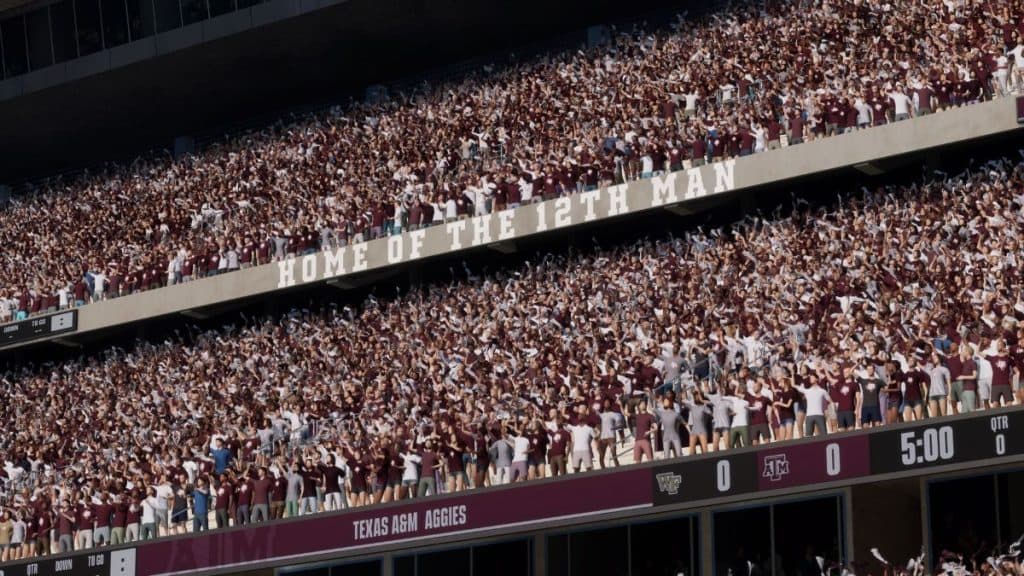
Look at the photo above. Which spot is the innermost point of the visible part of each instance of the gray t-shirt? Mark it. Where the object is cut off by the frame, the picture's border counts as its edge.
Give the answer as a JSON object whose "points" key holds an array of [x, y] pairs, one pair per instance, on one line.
{"points": [[610, 422], [669, 422], [294, 487], [501, 451]]}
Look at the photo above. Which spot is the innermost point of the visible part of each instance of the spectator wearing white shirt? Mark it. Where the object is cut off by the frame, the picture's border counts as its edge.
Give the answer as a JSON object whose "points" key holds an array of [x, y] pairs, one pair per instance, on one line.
{"points": [[582, 436], [816, 398], [901, 103]]}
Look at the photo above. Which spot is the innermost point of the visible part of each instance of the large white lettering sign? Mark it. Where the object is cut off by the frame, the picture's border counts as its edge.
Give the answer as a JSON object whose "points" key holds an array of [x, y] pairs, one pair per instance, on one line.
{"points": [[611, 202]]}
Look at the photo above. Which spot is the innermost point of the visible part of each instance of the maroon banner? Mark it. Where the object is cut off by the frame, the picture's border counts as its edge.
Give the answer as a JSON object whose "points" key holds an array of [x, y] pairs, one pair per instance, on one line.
{"points": [[469, 512], [813, 462]]}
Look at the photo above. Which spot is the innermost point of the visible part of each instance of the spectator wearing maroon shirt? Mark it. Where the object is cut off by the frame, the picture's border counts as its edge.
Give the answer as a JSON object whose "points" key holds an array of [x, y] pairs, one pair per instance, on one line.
{"points": [[538, 438], [332, 482], [561, 439], [133, 517], [104, 514], [1002, 394], [797, 127], [65, 529], [310, 482], [956, 367], [644, 435], [243, 501], [119, 521], [915, 390], [844, 392], [261, 496], [84, 522], [758, 403], [222, 501], [278, 493]]}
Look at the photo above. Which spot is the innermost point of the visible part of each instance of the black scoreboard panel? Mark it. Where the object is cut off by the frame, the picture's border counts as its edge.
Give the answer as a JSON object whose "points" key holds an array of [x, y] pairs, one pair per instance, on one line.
{"points": [[95, 563], [706, 478], [941, 442], [39, 327]]}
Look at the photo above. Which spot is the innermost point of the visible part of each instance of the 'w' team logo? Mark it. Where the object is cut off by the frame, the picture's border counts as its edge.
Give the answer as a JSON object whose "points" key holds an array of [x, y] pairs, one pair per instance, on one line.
{"points": [[668, 482], [775, 467]]}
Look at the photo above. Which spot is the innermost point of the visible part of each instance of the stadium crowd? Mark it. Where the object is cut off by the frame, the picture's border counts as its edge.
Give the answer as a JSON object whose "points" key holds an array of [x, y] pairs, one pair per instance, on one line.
{"points": [[746, 79], [900, 304]]}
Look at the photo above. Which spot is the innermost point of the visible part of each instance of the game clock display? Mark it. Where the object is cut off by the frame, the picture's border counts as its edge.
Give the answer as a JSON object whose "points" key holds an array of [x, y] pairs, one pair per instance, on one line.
{"points": [[948, 442]]}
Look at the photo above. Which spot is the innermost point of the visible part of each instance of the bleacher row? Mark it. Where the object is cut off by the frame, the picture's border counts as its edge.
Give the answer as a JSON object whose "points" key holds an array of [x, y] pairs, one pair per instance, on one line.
{"points": [[741, 81], [901, 304]]}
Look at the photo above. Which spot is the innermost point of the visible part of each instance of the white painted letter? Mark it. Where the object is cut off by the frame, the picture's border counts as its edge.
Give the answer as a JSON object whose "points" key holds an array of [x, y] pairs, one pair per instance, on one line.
{"points": [[359, 257], [663, 190], [286, 273], [482, 230], [725, 176], [334, 262], [617, 200], [395, 247], [455, 230], [416, 242], [309, 267], [589, 198], [695, 185], [505, 230]]}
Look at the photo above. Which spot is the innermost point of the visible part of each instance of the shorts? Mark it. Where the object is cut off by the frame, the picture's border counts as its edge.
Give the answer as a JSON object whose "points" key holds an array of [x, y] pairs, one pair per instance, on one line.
{"points": [[412, 482], [582, 458], [869, 414], [759, 432], [830, 411], [913, 403], [846, 419], [799, 408], [787, 422], [179, 517], [938, 397], [1003, 392]]}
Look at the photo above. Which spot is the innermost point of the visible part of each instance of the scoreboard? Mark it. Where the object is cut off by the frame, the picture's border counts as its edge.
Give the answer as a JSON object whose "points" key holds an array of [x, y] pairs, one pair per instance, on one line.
{"points": [[904, 450], [39, 327], [910, 448], [95, 563]]}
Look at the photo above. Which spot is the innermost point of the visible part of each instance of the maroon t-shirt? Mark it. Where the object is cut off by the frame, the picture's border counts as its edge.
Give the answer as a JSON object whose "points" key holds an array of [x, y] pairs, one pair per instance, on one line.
{"points": [[970, 367], [103, 514], [261, 490], [280, 489], [559, 441], [644, 422], [758, 409], [223, 496], [243, 493], [120, 519], [844, 395], [1000, 370]]}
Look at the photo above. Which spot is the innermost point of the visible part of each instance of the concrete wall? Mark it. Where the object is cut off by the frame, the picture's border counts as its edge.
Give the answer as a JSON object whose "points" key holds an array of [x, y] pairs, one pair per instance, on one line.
{"points": [[678, 189]]}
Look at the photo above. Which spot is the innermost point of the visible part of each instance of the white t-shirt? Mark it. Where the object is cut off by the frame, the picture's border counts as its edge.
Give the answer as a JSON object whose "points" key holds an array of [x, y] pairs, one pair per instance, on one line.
{"points": [[1018, 55], [816, 398], [149, 510], [520, 448], [739, 412], [410, 462], [163, 494], [901, 102], [581, 437]]}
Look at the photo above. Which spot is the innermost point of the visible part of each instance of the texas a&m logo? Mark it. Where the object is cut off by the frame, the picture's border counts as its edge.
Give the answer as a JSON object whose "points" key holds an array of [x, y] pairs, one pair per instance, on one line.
{"points": [[776, 466], [668, 482]]}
